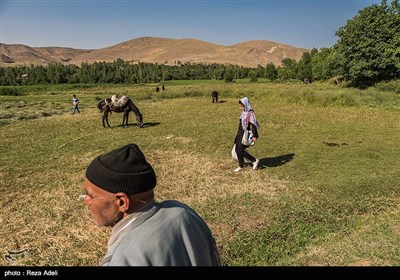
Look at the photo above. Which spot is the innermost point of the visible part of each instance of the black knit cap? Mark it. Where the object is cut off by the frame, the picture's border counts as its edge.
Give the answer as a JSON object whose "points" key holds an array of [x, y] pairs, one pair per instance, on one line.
{"points": [[122, 170]]}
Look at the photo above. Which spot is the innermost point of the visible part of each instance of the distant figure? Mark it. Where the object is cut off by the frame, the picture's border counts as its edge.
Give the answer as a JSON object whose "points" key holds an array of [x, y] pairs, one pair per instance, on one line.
{"points": [[75, 103], [157, 89], [214, 95], [162, 87]]}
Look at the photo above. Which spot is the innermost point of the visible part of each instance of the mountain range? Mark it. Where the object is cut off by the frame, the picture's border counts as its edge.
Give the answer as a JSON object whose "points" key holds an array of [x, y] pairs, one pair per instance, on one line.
{"points": [[155, 50]]}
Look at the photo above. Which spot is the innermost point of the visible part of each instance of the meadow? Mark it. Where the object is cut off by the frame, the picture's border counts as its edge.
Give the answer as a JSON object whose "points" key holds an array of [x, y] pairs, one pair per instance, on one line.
{"points": [[326, 193]]}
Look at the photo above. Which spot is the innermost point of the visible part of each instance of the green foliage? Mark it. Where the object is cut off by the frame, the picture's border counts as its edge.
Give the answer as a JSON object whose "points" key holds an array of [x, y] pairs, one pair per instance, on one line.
{"points": [[12, 91], [370, 44], [271, 72], [288, 69], [118, 72], [391, 86], [327, 63], [229, 75], [253, 76], [304, 68]]}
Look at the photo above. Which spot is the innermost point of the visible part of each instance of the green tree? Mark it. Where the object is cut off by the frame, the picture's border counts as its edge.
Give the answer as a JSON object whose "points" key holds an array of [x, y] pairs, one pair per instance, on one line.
{"points": [[166, 76], [253, 75], [326, 64], [10, 77], [288, 69], [271, 72], [229, 75], [304, 69], [40, 75], [370, 44]]}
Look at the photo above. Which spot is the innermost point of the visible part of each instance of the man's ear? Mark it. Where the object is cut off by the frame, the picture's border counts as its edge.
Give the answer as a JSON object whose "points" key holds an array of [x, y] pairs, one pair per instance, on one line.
{"points": [[122, 201]]}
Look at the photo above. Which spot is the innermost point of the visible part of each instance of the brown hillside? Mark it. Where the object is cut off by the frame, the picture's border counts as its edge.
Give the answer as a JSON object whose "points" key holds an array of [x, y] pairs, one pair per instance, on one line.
{"points": [[267, 51], [157, 50], [15, 54], [61, 54]]}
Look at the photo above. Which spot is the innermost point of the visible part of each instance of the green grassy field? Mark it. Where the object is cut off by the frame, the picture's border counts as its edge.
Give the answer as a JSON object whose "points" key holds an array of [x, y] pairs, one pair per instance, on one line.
{"points": [[327, 192]]}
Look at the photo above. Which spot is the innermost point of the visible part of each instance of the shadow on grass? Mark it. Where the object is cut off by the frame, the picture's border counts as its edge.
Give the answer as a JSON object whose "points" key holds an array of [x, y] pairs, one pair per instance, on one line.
{"points": [[144, 125], [150, 124], [275, 161]]}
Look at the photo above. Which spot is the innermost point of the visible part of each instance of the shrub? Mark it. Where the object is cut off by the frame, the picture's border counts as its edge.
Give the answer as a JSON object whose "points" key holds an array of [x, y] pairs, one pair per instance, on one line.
{"points": [[11, 91], [393, 86]]}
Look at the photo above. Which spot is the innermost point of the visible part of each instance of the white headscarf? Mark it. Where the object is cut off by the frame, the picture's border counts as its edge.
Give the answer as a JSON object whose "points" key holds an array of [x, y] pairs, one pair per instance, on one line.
{"points": [[248, 110]]}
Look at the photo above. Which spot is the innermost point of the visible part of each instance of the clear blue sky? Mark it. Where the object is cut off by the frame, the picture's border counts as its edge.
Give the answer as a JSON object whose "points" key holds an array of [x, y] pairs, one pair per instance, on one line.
{"points": [[93, 24]]}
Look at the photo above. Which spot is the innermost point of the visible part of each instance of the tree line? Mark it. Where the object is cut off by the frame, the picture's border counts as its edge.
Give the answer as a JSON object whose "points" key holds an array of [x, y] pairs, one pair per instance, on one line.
{"points": [[120, 71], [117, 72], [368, 51]]}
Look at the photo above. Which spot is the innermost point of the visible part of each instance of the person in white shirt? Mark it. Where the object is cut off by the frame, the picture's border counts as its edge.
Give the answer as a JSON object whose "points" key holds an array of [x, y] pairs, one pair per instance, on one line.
{"points": [[75, 103]]}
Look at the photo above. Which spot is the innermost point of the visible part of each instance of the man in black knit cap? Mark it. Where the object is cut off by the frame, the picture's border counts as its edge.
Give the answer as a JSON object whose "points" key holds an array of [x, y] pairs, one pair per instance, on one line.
{"points": [[119, 193]]}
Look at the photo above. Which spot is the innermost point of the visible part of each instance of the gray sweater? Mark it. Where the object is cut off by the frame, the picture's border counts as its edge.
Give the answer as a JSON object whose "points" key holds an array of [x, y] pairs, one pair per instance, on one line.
{"points": [[163, 234]]}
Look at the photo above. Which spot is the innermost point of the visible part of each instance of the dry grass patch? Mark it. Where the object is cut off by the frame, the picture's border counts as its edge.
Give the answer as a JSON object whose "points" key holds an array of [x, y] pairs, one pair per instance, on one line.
{"points": [[229, 202], [50, 220], [54, 226], [196, 178]]}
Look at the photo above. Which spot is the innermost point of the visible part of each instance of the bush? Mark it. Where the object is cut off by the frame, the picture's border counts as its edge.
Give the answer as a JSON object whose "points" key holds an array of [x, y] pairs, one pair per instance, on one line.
{"points": [[10, 91], [393, 86]]}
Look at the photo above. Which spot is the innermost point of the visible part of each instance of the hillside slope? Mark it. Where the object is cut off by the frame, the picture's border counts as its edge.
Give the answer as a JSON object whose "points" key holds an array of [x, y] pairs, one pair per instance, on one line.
{"points": [[155, 50]]}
